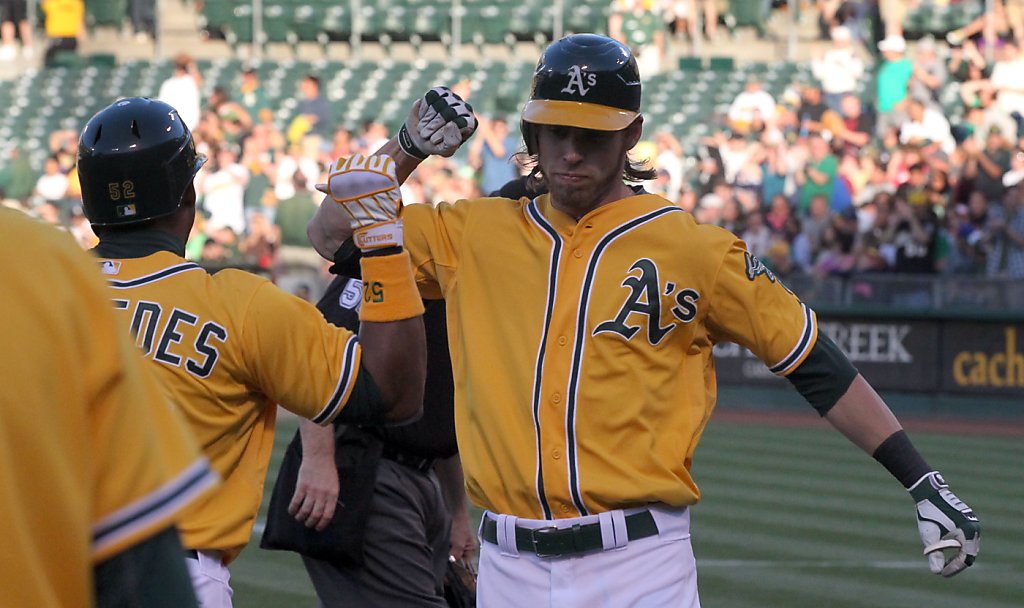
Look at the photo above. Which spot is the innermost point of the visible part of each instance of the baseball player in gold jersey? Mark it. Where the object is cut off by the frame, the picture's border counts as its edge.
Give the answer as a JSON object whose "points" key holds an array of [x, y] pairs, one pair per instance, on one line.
{"points": [[95, 464], [582, 324], [231, 346]]}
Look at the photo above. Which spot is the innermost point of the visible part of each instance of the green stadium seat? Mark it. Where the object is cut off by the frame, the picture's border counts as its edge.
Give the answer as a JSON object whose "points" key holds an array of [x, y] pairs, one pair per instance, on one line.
{"points": [[724, 63], [238, 29], [215, 15], [691, 64], [106, 13], [337, 22], [307, 23], [67, 59]]}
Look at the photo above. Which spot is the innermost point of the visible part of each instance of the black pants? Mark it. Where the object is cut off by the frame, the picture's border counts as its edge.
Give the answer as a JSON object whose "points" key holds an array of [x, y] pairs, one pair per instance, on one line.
{"points": [[59, 45], [406, 545]]}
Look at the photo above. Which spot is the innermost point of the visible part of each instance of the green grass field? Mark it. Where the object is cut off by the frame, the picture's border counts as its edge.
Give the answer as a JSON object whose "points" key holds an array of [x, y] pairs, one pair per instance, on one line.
{"points": [[796, 518]]}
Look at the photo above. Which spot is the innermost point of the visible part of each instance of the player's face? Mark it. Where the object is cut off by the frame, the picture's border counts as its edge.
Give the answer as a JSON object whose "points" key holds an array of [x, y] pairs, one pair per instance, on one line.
{"points": [[582, 167]]}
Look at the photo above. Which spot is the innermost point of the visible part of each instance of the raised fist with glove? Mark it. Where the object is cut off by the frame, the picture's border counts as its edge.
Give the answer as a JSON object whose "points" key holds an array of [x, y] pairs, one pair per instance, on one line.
{"points": [[945, 522], [438, 123], [367, 190]]}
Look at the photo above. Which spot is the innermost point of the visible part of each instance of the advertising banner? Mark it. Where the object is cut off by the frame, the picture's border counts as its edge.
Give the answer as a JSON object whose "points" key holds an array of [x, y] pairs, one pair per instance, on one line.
{"points": [[910, 355]]}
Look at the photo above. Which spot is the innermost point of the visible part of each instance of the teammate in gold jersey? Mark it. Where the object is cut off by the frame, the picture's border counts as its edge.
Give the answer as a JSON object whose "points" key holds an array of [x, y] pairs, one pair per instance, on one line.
{"points": [[95, 464], [581, 326], [231, 346]]}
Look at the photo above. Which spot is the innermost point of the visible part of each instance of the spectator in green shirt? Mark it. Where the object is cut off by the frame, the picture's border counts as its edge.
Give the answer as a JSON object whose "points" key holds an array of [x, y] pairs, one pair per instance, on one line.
{"points": [[291, 218], [893, 80], [818, 175], [17, 178]]}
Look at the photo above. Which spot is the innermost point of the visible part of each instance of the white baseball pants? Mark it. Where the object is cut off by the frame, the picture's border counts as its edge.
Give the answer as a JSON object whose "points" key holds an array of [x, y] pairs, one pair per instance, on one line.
{"points": [[210, 579], [654, 572]]}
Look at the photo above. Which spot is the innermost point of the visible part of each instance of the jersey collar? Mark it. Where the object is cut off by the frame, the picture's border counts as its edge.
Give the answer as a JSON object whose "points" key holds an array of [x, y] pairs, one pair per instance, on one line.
{"points": [[127, 244]]}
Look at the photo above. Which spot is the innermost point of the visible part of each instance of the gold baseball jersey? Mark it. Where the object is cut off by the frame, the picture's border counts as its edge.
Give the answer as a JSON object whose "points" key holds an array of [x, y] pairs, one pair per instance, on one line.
{"points": [[93, 456], [582, 350], [231, 346]]}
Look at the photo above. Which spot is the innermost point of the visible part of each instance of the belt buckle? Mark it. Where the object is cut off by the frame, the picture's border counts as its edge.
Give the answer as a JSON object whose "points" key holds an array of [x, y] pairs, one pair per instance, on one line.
{"points": [[541, 531]]}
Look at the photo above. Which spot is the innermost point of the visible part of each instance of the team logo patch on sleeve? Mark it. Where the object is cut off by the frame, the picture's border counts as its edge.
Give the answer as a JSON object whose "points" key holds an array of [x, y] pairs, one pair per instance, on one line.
{"points": [[756, 268]]}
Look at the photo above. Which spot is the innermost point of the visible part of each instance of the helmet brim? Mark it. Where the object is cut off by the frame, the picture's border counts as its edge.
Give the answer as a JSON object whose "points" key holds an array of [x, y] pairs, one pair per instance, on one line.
{"points": [[577, 114]]}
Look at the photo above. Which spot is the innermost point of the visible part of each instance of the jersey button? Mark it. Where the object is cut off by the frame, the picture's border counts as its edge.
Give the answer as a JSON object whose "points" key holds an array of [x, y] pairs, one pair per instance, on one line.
{"points": [[556, 454], [565, 508], [562, 340], [556, 398], [576, 253]]}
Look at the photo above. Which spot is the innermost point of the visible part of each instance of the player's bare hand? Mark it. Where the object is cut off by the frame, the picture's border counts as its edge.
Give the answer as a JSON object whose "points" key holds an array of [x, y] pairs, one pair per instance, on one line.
{"points": [[946, 524], [438, 123], [316, 493], [463, 540]]}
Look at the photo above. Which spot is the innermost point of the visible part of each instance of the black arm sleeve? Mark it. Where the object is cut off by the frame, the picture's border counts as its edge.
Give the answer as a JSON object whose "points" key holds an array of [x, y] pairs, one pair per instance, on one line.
{"points": [[151, 573], [364, 405], [824, 376]]}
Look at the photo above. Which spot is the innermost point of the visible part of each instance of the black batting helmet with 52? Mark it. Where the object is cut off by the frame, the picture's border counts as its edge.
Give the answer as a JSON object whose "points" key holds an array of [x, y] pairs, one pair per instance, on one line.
{"points": [[136, 160], [586, 81]]}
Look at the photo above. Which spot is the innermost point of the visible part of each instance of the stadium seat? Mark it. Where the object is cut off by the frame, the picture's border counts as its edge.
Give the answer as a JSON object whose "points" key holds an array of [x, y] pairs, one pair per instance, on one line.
{"points": [[691, 64], [723, 63], [238, 29], [106, 13], [337, 22], [214, 17]]}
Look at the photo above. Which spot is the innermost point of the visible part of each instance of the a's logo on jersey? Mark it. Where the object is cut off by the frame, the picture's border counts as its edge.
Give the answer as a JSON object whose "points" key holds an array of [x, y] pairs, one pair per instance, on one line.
{"points": [[351, 296], [576, 81], [756, 268], [645, 299], [110, 267]]}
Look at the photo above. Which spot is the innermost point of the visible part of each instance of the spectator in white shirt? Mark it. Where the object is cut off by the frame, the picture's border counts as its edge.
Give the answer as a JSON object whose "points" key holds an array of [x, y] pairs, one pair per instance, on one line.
{"points": [[181, 91], [52, 185], [926, 124], [1008, 79], [753, 102], [223, 191], [839, 69]]}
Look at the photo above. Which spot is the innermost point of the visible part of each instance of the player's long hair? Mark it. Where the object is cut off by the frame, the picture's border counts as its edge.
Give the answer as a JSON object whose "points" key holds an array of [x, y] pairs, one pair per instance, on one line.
{"points": [[632, 170]]}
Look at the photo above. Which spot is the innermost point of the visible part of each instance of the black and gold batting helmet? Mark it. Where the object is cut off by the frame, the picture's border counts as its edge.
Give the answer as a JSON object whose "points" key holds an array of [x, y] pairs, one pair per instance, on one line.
{"points": [[136, 160], [585, 81]]}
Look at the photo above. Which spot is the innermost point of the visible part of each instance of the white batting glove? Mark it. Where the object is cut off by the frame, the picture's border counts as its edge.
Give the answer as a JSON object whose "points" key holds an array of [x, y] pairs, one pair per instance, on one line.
{"points": [[438, 123], [945, 522], [367, 189]]}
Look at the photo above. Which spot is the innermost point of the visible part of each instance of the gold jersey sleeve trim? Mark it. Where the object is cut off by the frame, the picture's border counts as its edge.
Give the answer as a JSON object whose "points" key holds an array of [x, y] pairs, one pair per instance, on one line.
{"points": [[156, 508], [803, 346], [347, 380]]}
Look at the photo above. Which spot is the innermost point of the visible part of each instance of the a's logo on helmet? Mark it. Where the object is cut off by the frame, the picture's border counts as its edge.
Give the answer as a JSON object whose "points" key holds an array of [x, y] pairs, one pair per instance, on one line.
{"points": [[576, 78]]}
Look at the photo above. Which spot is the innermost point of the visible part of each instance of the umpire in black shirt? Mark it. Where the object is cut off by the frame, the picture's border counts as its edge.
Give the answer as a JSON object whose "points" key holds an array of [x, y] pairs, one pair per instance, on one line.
{"points": [[393, 497]]}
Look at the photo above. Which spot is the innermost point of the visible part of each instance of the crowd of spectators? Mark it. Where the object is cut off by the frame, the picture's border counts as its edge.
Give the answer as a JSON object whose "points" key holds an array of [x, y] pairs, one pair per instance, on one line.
{"points": [[821, 182]]}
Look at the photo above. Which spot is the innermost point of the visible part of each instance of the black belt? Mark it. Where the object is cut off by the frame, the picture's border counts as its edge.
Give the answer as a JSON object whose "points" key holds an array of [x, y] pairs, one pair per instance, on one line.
{"points": [[418, 463], [191, 554], [555, 542]]}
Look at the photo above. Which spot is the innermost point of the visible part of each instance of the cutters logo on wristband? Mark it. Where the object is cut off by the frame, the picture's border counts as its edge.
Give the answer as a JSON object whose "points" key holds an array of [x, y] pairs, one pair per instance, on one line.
{"points": [[407, 145], [380, 235]]}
